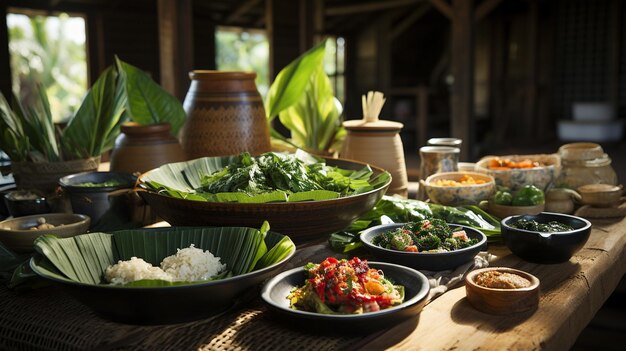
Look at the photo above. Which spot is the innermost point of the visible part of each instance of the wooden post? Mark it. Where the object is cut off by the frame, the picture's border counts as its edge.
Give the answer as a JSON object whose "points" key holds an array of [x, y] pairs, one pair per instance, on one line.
{"points": [[614, 56], [531, 84], [95, 46], [462, 121], [175, 45], [5, 57], [282, 29]]}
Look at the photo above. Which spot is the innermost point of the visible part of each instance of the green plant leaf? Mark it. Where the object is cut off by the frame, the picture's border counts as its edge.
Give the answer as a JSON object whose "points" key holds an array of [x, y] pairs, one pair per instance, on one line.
{"points": [[147, 102], [292, 80], [13, 140], [315, 119], [96, 124]]}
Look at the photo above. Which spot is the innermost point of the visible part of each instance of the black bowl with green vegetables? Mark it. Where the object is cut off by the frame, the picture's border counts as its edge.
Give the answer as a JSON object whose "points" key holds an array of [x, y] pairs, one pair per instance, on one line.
{"points": [[546, 237], [431, 245]]}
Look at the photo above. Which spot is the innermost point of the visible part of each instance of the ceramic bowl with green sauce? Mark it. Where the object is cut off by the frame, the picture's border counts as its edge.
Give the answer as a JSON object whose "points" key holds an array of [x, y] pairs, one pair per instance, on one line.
{"points": [[545, 237]]}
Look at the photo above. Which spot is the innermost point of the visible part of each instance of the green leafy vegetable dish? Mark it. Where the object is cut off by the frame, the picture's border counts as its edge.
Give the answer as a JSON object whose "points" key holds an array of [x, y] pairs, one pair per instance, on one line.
{"points": [[345, 287], [432, 235], [550, 227], [271, 177], [105, 184]]}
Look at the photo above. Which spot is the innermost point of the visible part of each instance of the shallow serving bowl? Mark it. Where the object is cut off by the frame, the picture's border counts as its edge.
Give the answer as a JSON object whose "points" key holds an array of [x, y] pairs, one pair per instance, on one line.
{"points": [[514, 179], [156, 304], [302, 221], [461, 194], [539, 247], [416, 288], [16, 234], [431, 261], [502, 301], [600, 195]]}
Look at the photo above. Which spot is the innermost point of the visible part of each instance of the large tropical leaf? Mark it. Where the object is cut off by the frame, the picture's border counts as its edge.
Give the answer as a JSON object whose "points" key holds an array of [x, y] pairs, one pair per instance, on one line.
{"points": [[316, 117], [147, 102], [96, 124], [292, 80], [84, 258], [13, 140]]}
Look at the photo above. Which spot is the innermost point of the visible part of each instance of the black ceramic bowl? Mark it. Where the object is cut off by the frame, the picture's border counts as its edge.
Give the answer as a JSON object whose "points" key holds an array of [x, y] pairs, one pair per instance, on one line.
{"points": [[416, 288], [430, 261], [100, 195], [25, 202], [538, 247]]}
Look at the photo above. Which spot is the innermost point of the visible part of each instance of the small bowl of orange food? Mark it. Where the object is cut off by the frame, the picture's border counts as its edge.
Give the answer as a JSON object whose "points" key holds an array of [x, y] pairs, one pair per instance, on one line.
{"points": [[502, 290], [459, 188], [515, 171]]}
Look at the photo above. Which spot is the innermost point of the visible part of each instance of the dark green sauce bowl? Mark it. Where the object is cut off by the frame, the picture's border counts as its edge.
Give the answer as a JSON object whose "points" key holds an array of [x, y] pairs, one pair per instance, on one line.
{"points": [[539, 247]]}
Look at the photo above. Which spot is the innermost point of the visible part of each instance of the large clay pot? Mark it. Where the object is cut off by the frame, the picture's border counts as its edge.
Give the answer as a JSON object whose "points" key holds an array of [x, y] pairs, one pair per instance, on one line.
{"points": [[225, 115], [140, 148]]}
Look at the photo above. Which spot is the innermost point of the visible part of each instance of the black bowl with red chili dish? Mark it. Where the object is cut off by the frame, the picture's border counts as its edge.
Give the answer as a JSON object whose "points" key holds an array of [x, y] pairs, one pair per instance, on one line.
{"points": [[346, 296]]}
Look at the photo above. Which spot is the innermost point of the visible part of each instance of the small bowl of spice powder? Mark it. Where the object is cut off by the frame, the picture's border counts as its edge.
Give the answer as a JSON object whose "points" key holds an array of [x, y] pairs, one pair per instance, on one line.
{"points": [[502, 290]]}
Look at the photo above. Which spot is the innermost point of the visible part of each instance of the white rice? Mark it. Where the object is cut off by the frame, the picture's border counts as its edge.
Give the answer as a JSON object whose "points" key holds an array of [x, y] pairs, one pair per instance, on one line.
{"points": [[189, 264]]}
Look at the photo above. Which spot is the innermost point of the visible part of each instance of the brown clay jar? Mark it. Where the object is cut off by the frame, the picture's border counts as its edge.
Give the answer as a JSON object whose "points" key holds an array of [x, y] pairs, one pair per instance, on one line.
{"points": [[225, 115], [140, 148]]}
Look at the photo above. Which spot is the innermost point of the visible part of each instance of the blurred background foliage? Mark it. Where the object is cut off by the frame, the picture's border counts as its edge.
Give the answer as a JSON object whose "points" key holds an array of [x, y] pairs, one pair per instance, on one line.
{"points": [[51, 51]]}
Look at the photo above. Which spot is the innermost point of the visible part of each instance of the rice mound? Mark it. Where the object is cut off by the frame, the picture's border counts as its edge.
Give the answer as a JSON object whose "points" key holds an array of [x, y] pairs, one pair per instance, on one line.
{"points": [[189, 264]]}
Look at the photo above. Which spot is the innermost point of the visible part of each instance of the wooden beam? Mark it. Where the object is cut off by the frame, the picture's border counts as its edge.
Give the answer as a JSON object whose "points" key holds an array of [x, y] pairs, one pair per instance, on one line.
{"points": [[485, 8], [5, 57], [96, 62], [462, 99], [401, 27], [367, 7], [243, 7], [444, 7], [175, 45]]}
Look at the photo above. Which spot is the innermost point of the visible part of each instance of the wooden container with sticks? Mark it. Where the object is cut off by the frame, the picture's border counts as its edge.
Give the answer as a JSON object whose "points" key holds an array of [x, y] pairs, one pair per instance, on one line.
{"points": [[377, 142]]}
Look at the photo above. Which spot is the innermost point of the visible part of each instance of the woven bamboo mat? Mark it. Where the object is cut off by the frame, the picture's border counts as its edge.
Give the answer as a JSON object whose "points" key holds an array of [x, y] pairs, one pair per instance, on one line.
{"points": [[49, 319]]}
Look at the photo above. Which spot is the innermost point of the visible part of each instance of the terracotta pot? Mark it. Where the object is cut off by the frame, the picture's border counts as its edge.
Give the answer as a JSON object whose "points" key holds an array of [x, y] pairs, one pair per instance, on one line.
{"points": [[44, 176], [140, 148], [225, 115]]}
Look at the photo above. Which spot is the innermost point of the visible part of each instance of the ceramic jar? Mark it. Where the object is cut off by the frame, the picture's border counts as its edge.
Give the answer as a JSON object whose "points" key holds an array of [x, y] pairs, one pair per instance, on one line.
{"points": [[436, 159], [225, 115], [140, 148], [378, 143], [585, 163]]}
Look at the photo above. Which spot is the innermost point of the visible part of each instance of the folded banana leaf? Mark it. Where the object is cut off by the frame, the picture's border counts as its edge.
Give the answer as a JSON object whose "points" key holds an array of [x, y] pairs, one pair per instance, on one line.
{"points": [[84, 258]]}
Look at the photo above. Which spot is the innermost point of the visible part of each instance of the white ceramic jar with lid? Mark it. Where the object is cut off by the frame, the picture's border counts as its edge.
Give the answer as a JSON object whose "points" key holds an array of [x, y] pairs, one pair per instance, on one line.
{"points": [[585, 163]]}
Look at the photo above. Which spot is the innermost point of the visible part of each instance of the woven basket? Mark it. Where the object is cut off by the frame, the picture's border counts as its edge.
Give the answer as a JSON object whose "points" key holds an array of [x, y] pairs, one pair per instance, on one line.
{"points": [[44, 176]]}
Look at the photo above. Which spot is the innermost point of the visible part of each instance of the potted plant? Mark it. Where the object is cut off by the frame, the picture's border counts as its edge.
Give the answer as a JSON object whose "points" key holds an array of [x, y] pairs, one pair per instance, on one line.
{"points": [[153, 118], [302, 98], [41, 153]]}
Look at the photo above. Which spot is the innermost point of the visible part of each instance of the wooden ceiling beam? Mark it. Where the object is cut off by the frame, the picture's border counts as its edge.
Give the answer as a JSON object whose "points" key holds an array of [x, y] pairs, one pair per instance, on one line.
{"points": [[401, 27], [367, 7], [241, 10], [443, 7], [485, 9]]}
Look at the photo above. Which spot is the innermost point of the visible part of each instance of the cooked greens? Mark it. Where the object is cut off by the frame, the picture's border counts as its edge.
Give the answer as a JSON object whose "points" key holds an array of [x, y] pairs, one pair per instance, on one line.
{"points": [[277, 177], [550, 227], [424, 236]]}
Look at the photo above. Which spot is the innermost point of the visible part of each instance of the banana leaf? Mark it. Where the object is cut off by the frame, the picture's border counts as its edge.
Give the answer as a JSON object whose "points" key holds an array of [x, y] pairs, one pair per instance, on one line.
{"points": [[292, 80], [84, 258], [147, 102], [96, 124]]}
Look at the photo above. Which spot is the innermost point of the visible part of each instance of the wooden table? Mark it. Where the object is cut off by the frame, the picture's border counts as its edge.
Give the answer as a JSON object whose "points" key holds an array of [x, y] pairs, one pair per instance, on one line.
{"points": [[571, 294]]}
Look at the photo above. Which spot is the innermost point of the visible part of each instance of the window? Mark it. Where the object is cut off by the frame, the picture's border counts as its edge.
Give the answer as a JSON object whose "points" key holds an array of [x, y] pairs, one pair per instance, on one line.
{"points": [[241, 49], [51, 51], [334, 65]]}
